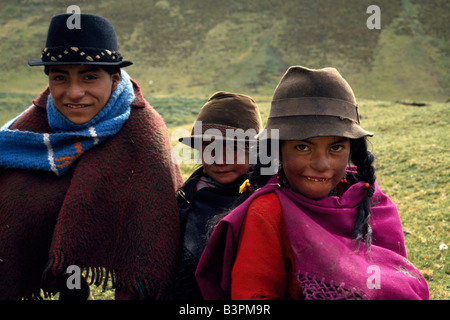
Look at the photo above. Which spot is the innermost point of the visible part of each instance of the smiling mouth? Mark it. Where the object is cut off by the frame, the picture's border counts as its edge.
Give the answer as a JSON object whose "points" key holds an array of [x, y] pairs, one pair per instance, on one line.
{"points": [[76, 106], [317, 179], [223, 172]]}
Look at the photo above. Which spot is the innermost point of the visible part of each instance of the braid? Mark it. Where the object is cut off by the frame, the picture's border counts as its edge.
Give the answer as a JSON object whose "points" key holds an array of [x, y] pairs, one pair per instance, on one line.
{"points": [[363, 160]]}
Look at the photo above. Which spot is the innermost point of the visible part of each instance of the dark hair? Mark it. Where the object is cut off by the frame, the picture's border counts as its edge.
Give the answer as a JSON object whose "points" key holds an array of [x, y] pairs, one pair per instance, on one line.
{"points": [[363, 159], [109, 69]]}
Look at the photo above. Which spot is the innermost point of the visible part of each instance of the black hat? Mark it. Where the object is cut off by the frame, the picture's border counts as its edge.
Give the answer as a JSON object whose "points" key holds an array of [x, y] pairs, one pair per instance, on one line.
{"points": [[95, 42]]}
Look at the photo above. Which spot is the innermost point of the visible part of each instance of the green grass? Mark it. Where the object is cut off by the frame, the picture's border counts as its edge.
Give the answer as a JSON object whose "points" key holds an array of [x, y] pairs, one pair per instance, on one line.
{"points": [[12, 104], [412, 151], [192, 48], [412, 147]]}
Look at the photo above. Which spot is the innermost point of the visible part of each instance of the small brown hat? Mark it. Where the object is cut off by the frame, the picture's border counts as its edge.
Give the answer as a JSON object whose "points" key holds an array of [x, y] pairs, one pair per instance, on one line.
{"points": [[222, 111], [314, 103]]}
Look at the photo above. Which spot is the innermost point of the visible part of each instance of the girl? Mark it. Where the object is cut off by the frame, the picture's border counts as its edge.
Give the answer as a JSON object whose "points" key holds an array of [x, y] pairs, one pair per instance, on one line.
{"points": [[299, 236], [213, 188]]}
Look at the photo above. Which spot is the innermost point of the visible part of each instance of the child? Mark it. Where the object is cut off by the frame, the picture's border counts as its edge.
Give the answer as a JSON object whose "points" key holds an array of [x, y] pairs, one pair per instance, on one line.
{"points": [[213, 188], [299, 236], [85, 176]]}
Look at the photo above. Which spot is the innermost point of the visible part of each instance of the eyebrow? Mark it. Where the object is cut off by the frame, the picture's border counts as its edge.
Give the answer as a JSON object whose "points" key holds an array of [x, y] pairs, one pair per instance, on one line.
{"points": [[86, 70], [343, 139]]}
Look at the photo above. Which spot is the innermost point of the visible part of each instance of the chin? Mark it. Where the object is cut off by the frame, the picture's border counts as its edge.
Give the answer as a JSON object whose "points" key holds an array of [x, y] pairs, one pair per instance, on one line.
{"points": [[315, 195], [225, 181]]}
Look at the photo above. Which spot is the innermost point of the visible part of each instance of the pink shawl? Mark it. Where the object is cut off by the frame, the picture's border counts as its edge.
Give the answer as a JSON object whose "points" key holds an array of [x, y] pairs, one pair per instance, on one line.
{"points": [[328, 263]]}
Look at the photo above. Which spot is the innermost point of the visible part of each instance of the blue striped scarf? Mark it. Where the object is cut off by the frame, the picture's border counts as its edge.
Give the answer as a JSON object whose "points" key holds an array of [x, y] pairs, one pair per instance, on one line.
{"points": [[57, 151]]}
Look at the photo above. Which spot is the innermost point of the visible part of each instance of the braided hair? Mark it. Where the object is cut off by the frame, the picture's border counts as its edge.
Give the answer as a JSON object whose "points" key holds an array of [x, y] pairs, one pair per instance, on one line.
{"points": [[363, 159]]}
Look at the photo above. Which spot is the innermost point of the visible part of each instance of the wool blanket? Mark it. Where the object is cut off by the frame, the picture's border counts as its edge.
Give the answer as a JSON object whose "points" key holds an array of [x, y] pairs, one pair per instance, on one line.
{"points": [[329, 265], [113, 213], [57, 151]]}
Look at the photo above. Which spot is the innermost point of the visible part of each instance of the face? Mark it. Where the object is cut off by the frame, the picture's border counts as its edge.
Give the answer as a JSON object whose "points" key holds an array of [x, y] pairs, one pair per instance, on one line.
{"points": [[223, 162], [81, 91], [315, 166]]}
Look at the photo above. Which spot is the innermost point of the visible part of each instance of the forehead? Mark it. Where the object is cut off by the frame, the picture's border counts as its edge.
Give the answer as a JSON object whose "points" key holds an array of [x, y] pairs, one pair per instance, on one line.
{"points": [[76, 68], [320, 140]]}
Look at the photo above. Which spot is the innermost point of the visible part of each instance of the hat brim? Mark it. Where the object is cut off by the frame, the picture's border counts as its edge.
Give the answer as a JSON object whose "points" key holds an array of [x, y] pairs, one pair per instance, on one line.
{"points": [[38, 62], [305, 127], [196, 141]]}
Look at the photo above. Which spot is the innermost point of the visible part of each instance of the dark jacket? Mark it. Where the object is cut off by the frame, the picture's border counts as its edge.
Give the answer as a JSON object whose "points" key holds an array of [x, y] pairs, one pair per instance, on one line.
{"points": [[197, 212]]}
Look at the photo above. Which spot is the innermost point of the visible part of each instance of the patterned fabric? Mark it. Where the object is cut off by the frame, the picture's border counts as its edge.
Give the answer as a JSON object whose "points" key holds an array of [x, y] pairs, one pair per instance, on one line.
{"points": [[57, 151], [75, 54], [314, 289]]}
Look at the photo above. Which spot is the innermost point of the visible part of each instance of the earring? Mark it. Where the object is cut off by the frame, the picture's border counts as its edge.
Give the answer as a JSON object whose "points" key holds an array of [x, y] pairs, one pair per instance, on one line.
{"points": [[282, 179], [280, 170], [344, 178]]}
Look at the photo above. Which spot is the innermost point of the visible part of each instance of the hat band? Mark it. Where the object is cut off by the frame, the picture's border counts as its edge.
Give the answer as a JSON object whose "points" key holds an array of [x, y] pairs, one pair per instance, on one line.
{"points": [[310, 106], [79, 54]]}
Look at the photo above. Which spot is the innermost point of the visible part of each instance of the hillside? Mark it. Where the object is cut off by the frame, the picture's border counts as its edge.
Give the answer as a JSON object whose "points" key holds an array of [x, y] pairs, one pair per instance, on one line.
{"points": [[192, 48]]}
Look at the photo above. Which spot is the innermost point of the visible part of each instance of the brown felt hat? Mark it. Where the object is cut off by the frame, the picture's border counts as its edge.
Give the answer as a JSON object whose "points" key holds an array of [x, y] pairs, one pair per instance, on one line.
{"points": [[224, 113], [314, 103]]}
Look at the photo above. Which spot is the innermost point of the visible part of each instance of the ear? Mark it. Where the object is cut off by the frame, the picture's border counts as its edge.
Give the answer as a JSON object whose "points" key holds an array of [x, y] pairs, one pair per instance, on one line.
{"points": [[116, 78]]}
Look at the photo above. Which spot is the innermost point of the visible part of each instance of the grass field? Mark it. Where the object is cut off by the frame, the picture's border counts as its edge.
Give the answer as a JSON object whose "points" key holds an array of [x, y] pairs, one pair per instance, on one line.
{"points": [[412, 147]]}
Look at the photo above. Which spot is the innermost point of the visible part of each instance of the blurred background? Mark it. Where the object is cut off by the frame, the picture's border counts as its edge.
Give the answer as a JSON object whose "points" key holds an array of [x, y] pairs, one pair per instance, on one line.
{"points": [[195, 47]]}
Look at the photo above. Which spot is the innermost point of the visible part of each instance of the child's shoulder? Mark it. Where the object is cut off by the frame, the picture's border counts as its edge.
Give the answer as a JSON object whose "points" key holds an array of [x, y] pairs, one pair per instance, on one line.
{"points": [[267, 206], [270, 198]]}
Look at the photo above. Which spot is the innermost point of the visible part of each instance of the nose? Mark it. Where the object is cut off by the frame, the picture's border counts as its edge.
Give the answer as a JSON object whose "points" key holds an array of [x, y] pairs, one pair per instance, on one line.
{"points": [[216, 154], [320, 161], [75, 91], [220, 155]]}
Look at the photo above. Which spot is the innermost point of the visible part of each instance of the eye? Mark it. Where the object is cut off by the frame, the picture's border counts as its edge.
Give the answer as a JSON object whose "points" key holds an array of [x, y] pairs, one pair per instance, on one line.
{"points": [[302, 147], [58, 77], [90, 77], [337, 148]]}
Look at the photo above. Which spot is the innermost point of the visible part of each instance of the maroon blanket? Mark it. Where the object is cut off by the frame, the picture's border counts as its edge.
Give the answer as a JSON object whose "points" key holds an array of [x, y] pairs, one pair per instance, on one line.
{"points": [[114, 213]]}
